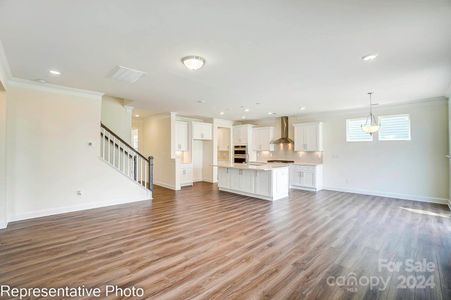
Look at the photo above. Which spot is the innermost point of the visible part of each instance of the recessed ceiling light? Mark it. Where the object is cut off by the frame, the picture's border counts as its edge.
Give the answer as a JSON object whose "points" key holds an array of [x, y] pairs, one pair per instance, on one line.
{"points": [[369, 57], [55, 72], [302, 108], [243, 117], [200, 101], [246, 109], [271, 113], [41, 81], [193, 62], [221, 113], [137, 116]]}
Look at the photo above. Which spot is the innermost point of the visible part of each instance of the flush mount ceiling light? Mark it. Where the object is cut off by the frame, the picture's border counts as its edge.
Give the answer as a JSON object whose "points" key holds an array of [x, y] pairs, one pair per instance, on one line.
{"points": [[137, 116], [271, 113], [371, 126], [221, 113], [193, 62], [369, 57], [302, 108], [246, 109], [54, 72]]}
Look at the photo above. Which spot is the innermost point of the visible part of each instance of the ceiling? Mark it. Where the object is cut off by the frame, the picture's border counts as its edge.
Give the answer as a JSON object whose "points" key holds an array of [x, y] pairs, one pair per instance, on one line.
{"points": [[280, 54]]}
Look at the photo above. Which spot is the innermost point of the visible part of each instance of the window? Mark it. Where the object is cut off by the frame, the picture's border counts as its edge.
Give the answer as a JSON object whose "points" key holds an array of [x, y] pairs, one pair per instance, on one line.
{"points": [[354, 132], [135, 138], [394, 128]]}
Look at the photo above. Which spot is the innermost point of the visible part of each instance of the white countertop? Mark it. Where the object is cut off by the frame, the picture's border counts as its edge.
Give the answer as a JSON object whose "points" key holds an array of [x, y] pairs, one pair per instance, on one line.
{"points": [[295, 163], [253, 166], [307, 164]]}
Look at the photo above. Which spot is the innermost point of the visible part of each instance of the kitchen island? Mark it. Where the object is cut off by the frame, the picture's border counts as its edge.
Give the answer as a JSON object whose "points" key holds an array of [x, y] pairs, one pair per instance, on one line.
{"points": [[263, 181]]}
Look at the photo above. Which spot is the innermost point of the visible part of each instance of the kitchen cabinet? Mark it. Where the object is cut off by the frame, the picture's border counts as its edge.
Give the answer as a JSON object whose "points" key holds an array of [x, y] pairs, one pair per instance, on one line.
{"points": [[242, 180], [224, 175], [223, 139], [202, 131], [306, 177], [181, 136], [263, 183], [242, 134], [259, 182], [262, 137], [186, 174], [308, 136]]}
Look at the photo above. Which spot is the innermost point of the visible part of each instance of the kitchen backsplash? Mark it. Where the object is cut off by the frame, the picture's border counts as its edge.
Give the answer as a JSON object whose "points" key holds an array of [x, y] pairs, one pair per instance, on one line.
{"points": [[285, 151]]}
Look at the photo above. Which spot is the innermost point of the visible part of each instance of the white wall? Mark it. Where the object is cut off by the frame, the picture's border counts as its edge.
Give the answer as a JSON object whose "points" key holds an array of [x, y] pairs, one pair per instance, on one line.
{"points": [[117, 117], [3, 208], [49, 159], [415, 169], [156, 141]]}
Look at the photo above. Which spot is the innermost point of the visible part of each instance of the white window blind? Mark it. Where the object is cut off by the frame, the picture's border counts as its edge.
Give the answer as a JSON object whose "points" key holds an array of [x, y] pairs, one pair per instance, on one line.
{"points": [[354, 132], [394, 128]]}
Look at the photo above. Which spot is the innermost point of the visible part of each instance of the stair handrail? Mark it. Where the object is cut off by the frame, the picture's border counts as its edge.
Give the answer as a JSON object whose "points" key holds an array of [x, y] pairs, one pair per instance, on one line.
{"points": [[148, 160]]}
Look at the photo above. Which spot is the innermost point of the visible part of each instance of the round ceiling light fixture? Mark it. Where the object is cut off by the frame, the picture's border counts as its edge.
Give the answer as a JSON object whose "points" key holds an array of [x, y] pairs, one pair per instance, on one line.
{"points": [[54, 72], [193, 62], [369, 57]]}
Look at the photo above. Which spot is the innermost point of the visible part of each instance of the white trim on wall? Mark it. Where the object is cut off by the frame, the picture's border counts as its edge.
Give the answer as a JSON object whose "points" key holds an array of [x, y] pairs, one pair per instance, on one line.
{"points": [[163, 184], [3, 225], [5, 71], [53, 88], [389, 195], [72, 208]]}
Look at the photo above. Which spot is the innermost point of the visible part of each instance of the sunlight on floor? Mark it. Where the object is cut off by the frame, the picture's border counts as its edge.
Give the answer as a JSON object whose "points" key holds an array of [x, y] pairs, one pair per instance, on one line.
{"points": [[425, 212]]}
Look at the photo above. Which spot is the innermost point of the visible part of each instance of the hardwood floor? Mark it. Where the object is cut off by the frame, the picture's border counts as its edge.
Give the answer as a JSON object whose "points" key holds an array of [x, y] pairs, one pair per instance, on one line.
{"points": [[205, 244]]}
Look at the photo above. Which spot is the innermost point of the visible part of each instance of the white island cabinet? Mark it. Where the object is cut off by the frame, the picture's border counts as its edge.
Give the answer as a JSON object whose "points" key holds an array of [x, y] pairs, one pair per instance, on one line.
{"points": [[268, 182]]}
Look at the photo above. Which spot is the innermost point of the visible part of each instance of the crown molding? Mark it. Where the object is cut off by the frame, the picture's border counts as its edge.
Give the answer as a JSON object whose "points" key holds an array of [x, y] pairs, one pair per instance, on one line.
{"points": [[5, 71], [53, 88]]}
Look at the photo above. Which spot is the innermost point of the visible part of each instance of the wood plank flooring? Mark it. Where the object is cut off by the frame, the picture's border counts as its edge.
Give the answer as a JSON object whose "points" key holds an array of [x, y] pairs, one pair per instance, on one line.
{"points": [[204, 244]]}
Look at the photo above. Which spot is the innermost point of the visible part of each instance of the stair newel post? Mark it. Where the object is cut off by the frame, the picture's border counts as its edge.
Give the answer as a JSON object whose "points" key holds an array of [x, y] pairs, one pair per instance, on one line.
{"points": [[151, 173], [135, 165]]}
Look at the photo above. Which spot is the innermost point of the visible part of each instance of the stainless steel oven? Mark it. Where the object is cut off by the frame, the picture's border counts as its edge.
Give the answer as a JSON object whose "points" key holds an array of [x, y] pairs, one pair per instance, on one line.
{"points": [[240, 154]]}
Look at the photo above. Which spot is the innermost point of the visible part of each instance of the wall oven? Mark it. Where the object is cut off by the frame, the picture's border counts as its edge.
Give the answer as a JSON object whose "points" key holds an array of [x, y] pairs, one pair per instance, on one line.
{"points": [[240, 154]]}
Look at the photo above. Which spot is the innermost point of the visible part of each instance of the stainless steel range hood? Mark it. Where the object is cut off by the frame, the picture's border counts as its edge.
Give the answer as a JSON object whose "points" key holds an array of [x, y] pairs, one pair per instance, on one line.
{"points": [[283, 132]]}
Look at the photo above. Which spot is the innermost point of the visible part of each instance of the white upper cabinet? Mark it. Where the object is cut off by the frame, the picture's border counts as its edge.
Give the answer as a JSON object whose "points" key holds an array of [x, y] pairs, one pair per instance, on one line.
{"points": [[202, 131], [181, 136], [308, 136], [242, 134], [263, 136], [223, 139]]}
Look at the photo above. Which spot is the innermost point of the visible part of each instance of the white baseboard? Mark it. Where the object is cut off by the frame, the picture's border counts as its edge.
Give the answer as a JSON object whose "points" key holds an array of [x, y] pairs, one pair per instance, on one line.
{"points": [[3, 225], [390, 195], [67, 209], [164, 184]]}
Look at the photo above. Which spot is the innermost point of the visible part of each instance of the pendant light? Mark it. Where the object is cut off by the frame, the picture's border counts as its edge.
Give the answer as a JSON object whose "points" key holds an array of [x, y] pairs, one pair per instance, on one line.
{"points": [[371, 126]]}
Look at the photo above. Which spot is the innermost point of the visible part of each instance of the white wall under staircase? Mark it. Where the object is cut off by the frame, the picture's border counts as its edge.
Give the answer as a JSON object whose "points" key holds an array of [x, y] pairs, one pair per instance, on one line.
{"points": [[49, 158]]}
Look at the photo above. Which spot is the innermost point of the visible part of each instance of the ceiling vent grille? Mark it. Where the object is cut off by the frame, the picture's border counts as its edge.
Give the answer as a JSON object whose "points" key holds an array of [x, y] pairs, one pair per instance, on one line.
{"points": [[125, 74]]}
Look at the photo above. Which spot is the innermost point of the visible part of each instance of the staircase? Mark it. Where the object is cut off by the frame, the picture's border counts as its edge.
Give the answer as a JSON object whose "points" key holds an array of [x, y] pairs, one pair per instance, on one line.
{"points": [[124, 158]]}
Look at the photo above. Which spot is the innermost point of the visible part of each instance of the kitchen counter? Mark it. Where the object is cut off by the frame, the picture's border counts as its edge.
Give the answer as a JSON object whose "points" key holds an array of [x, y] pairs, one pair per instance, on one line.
{"points": [[263, 181], [252, 166]]}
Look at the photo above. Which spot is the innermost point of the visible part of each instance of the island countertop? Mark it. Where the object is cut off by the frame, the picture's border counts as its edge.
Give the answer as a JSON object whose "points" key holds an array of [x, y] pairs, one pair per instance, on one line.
{"points": [[252, 166]]}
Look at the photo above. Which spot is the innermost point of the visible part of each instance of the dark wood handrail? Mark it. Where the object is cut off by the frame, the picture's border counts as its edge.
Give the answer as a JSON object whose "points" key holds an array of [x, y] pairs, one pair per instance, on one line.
{"points": [[122, 141]]}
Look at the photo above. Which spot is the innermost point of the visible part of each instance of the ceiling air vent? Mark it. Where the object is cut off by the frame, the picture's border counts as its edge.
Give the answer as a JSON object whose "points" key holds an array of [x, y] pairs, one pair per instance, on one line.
{"points": [[126, 74]]}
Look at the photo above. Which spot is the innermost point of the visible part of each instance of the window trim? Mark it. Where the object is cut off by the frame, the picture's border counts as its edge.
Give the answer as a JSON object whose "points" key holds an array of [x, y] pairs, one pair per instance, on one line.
{"points": [[380, 138], [347, 131]]}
